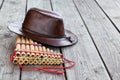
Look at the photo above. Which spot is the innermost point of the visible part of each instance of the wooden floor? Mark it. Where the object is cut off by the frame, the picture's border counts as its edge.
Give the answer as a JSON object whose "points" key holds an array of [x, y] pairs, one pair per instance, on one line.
{"points": [[95, 22]]}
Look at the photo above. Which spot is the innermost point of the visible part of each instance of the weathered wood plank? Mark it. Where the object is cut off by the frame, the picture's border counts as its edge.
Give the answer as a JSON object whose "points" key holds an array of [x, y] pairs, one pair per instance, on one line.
{"points": [[1, 3], [105, 36], [88, 63], [39, 4], [39, 75], [112, 9], [11, 10]]}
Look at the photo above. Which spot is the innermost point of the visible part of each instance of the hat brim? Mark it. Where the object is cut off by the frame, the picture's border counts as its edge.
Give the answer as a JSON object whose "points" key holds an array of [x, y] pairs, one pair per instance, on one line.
{"points": [[69, 40]]}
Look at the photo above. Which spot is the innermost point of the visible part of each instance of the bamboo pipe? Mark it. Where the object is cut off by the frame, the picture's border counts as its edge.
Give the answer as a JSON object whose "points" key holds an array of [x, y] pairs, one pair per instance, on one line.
{"points": [[41, 56], [23, 54], [40, 48], [47, 50], [56, 57], [47, 61], [26, 61], [61, 61], [15, 61], [28, 54], [51, 51], [35, 61], [43, 62], [31, 46], [49, 56], [37, 55], [18, 54], [39, 62], [44, 48], [18, 40], [23, 41], [27, 41], [31, 61], [58, 63], [51, 63], [21, 61], [32, 55], [45, 55], [35, 47]]}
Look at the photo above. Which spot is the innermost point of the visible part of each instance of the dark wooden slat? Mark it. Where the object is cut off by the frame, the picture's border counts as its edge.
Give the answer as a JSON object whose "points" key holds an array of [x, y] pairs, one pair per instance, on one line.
{"points": [[15, 12], [105, 36], [88, 63], [40, 75]]}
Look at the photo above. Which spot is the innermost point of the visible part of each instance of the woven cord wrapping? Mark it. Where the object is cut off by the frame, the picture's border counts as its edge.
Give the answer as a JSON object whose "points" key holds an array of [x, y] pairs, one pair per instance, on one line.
{"points": [[26, 47]]}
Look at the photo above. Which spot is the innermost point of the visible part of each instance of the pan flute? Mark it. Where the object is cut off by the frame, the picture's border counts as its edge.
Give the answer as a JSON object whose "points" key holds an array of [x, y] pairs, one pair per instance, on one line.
{"points": [[29, 52]]}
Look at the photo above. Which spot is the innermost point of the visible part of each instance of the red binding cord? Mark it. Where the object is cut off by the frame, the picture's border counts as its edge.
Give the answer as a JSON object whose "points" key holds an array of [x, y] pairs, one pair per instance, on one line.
{"points": [[48, 68], [51, 69]]}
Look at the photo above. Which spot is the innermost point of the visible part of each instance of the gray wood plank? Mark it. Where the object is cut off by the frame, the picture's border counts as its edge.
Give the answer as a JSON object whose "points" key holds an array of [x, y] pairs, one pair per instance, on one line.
{"points": [[11, 10], [112, 9], [40, 75], [105, 36], [1, 3], [42, 4], [88, 63]]}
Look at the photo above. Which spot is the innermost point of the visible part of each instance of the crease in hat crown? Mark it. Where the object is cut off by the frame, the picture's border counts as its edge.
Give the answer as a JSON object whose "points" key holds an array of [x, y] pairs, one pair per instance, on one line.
{"points": [[50, 13], [46, 27]]}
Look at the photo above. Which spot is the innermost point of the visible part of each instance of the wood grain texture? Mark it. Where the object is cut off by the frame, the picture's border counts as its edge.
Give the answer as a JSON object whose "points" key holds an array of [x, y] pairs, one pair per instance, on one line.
{"points": [[88, 63], [42, 4], [10, 11], [40, 75], [112, 9], [105, 36], [1, 3]]}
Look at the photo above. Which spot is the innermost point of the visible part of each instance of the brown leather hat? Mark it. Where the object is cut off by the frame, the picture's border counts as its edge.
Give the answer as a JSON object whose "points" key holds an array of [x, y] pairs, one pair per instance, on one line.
{"points": [[45, 27]]}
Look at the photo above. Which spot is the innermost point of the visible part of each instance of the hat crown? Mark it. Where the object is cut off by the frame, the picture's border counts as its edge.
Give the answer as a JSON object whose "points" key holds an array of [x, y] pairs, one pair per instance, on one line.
{"points": [[43, 23]]}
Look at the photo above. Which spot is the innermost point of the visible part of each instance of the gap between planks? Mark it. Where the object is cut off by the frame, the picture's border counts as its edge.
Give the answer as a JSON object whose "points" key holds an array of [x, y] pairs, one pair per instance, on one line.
{"points": [[1, 2], [80, 51], [43, 4], [105, 36], [93, 41]]}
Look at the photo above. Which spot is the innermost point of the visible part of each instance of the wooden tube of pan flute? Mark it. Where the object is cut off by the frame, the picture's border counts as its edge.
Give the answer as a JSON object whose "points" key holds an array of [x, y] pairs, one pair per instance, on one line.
{"points": [[18, 40], [23, 54], [31, 61], [27, 47], [18, 46], [21, 61], [27, 42], [35, 47], [23, 41], [31, 46], [48, 50], [15, 61], [32, 49], [40, 48], [44, 48], [26, 61]]}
